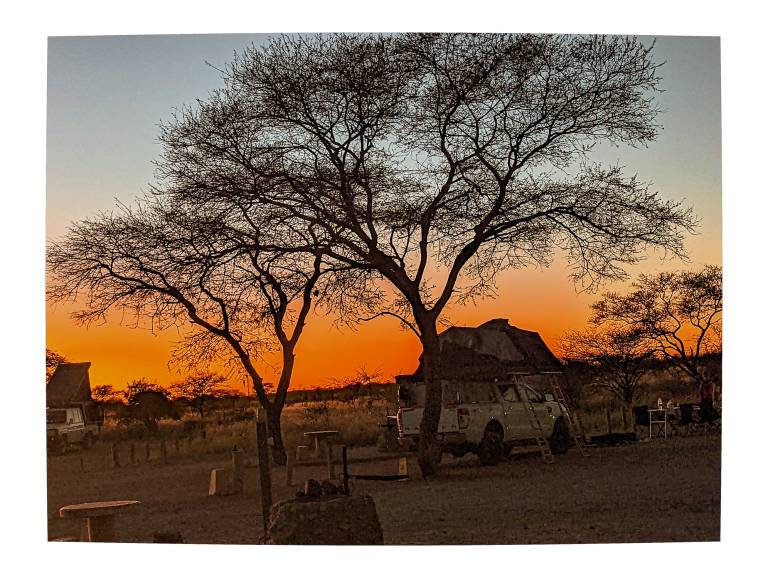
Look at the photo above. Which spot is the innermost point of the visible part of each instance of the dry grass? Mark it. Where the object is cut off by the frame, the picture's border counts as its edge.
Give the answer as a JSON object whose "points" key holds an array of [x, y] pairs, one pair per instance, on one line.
{"points": [[358, 422]]}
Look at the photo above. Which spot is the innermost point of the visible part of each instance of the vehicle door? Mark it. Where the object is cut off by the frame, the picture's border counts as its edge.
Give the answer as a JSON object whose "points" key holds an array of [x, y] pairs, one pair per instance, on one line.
{"points": [[479, 401], [516, 422], [542, 408]]}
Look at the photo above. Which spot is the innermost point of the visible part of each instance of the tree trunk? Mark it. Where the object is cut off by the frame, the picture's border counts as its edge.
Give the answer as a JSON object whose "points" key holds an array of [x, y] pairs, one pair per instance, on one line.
{"points": [[274, 430], [429, 448], [275, 410]]}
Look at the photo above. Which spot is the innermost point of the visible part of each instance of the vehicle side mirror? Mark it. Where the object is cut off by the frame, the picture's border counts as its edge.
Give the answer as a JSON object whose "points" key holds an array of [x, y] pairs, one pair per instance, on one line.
{"points": [[549, 397]]}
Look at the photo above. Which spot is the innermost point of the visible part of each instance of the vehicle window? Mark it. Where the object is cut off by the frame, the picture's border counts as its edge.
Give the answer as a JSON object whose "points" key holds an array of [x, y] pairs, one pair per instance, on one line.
{"points": [[476, 393], [411, 395], [56, 416], [450, 393], [509, 393], [532, 394]]}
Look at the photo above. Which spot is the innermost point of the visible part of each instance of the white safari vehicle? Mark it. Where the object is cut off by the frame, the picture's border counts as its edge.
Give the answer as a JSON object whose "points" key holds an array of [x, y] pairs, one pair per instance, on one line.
{"points": [[489, 418], [66, 426]]}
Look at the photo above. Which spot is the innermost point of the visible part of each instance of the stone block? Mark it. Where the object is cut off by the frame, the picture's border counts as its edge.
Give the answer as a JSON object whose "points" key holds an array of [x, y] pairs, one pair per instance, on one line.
{"points": [[342, 520], [221, 482]]}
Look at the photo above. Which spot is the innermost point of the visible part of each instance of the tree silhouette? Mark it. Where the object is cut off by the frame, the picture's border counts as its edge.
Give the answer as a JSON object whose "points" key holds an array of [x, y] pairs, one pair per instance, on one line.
{"points": [[148, 402], [620, 358], [105, 394], [52, 360], [231, 279], [199, 388], [679, 314], [434, 161]]}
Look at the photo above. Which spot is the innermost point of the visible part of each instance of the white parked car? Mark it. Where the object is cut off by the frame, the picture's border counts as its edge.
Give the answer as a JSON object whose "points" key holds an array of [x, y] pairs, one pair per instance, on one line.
{"points": [[487, 418], [67, 426]]}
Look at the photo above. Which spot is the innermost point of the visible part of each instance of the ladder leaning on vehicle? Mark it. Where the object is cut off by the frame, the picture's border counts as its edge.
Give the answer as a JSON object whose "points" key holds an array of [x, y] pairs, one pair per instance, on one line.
{"points": [[536, 429], [580, 442]]}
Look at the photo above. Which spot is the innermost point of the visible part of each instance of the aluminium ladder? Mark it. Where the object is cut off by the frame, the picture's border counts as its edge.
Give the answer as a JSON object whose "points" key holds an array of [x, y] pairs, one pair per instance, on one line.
{"points": [[533, 420], [581, 443]]}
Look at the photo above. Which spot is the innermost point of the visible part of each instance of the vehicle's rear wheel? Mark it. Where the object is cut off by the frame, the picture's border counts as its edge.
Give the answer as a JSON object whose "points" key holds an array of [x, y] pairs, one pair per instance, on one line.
{"points": [[491, 448], [560, 438]]}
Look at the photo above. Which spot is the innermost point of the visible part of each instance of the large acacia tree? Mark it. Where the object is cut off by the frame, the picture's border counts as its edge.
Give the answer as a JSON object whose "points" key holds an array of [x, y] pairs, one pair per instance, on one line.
{"points": [[227, 283], [435, 160]]}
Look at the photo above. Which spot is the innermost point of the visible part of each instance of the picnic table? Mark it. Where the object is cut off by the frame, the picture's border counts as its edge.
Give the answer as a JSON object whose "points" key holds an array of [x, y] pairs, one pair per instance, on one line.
{"points": [[99, 517], [321, 439]]}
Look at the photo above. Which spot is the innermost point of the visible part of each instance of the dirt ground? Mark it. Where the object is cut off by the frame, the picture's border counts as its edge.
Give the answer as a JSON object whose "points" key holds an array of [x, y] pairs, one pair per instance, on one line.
{"points": [[657, 491]]}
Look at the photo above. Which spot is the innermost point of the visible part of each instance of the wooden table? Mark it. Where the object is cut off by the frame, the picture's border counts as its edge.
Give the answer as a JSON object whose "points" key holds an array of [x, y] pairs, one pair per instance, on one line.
{"points": [[99, 517], [321, 438]]}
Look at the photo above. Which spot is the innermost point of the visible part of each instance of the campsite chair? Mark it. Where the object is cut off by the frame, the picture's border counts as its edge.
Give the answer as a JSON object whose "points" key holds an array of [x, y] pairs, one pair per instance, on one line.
{"points": [[709, 418], [684, 423], [640, 416]]}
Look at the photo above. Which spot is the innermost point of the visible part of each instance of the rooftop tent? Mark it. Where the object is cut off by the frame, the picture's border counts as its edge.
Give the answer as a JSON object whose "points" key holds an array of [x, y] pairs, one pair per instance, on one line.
{"points": [[492, 350], [69, 384]]}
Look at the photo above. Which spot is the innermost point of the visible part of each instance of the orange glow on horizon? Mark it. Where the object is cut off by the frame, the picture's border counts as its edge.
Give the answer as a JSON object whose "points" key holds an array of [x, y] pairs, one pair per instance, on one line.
{"points": [[542, 301]]}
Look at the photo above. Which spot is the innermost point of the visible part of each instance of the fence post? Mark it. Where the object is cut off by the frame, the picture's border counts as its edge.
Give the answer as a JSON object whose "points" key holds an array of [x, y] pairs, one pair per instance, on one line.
{"points": [[133, 453], [176, 442], [608, 419], [115, 456], [329, 460], [265, 480], [238, 473], [163, 452], [344, 471]]}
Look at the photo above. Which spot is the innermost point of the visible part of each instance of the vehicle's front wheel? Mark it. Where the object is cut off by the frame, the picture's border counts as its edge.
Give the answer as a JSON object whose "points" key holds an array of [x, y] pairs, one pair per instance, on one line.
{"points": [[560, 438], [491, 448]]}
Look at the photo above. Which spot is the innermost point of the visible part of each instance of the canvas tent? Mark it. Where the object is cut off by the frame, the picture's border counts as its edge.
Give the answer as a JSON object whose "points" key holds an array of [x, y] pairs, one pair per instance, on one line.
{"points": [[491, 351], [69, 384]]}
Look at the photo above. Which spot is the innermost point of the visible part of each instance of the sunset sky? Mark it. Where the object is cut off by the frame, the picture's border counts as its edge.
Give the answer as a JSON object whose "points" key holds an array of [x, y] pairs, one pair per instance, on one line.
{"points": [[106, 96]]}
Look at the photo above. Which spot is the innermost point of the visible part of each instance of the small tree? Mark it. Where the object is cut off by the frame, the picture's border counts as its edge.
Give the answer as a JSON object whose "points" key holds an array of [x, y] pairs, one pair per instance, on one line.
{"points": [[619, 358], [105, 394], [361, 378], [148, 402], [52, 360], [678, 314], [225, 278], [200, 387]]}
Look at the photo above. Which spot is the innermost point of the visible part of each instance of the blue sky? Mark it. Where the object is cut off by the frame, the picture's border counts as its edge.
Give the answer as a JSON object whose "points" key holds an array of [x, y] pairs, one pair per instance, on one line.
{"points": [[106, 95]]}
